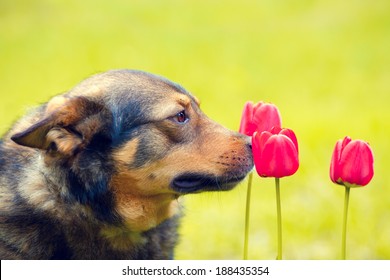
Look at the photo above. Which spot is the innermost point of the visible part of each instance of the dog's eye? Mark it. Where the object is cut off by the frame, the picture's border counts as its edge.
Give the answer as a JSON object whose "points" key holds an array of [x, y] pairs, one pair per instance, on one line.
{"points": [[181, 117]]}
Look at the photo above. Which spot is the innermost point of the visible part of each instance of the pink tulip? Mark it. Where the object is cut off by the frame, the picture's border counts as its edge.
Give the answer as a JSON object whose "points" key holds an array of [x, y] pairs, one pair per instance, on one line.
{"points": [[259, 117], [275, 152], [352, 163]]}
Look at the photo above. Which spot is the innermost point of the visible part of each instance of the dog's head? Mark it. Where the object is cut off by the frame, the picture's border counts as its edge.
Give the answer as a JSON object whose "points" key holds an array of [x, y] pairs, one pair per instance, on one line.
{"points": [[134, 135]]}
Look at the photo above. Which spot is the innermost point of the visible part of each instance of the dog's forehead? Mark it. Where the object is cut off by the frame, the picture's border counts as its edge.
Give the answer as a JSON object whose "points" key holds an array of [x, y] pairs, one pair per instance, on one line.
{"points": [[148, 90], [133, 97], [124, 82], [122, 86]]}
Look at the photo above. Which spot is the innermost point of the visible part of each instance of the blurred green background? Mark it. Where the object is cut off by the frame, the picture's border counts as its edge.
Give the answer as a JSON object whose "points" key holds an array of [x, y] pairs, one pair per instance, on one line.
{"points": [[325, 64]]}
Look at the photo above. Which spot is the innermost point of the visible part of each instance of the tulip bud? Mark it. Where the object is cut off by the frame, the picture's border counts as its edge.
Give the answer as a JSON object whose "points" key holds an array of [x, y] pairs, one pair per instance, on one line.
{"points": [[259, 117], [275, 153], [352, 163]]}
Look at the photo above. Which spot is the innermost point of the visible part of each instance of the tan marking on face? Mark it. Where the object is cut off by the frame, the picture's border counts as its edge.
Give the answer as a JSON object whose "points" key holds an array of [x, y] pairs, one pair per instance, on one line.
{"points": [[183, 100], [216, 157], [142, 213], [142, 206], [127, 152], [171, 105]]}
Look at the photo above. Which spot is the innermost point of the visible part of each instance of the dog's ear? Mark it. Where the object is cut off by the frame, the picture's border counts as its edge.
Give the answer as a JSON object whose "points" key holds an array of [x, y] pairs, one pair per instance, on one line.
{"points": [[67, 128]]}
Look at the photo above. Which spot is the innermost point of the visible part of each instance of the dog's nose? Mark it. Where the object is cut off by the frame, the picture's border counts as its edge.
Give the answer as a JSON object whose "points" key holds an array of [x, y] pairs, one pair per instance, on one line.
{"points": [[245, 138], [248, 141]]}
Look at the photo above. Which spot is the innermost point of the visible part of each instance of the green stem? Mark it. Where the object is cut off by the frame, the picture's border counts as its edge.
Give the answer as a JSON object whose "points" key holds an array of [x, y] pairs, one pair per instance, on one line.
{"points": [[344, 236], [247, 210], [279, 220]]}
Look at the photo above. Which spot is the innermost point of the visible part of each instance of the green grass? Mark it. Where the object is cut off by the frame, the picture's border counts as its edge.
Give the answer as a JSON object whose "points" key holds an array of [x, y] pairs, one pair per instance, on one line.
{"points": [[325, 64]]}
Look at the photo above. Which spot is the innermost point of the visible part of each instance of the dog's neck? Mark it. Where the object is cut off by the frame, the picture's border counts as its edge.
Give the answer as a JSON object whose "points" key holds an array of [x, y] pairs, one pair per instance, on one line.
{"points": [[138, 213], [141, 213], [142, 206]]}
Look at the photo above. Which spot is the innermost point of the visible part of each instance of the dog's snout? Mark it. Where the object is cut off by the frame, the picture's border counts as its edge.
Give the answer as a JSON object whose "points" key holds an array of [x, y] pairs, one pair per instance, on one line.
{"points": [[249, 146], [248, 141]]}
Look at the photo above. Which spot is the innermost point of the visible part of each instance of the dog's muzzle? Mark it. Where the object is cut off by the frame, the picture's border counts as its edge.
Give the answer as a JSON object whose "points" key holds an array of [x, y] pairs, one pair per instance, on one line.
{"points": [[198, 182]]}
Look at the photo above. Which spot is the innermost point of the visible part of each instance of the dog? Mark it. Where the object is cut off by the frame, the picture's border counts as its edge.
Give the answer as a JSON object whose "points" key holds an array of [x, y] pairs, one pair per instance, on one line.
{"points": [[97, 172]]}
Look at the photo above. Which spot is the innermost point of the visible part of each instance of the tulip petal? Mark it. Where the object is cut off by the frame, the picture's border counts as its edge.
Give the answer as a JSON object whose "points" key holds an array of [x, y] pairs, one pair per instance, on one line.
{"points": [[346, 141], [258, 143], [357, 163], [266, 116], [255, 145], [279, 157], [276, 129], [257, 106], [247, 126], [264, 136], [335, 162], [290, 134]]}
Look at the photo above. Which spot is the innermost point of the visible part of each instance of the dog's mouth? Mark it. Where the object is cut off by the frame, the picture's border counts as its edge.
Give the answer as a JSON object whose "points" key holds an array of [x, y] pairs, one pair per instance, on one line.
{"points": [[198, 182]]}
